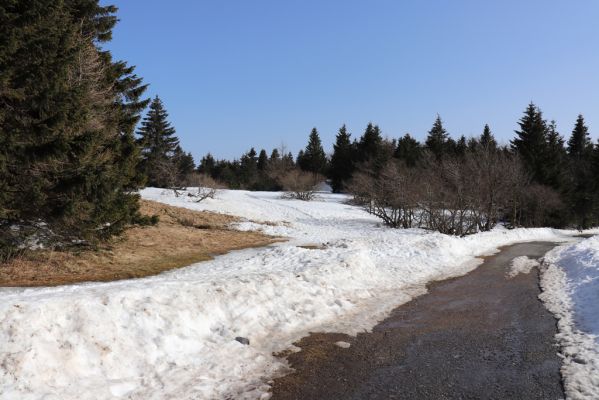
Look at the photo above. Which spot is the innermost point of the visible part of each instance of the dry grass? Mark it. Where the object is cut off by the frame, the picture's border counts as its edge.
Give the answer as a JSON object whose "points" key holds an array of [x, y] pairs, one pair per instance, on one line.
{"points": [[182, 237]]}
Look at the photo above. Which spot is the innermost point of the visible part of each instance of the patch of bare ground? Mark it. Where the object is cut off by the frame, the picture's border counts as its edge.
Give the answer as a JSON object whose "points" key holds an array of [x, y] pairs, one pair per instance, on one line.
{"points": [[181, 237]]}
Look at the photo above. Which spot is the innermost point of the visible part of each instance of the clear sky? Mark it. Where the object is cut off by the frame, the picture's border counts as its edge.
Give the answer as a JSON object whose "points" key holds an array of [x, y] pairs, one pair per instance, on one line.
{"points": [[238, 73]]}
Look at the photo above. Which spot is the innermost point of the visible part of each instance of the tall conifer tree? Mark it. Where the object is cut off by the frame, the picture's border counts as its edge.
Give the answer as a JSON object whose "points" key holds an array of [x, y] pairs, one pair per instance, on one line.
{"points": [[408, 149], [313, 158], [158, 143], [437, 139], [580, 155], [342, 163], [67, 112], [531, 143]]}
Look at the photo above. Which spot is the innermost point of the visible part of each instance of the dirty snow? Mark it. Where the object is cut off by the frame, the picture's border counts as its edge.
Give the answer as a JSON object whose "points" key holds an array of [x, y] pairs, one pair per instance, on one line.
{"points": [[570, 285], [172, 336], [521, 265]]}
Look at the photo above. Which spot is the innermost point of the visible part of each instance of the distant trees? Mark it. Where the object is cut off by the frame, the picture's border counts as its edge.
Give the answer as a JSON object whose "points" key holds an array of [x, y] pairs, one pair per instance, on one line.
{"points": [[452, 186]]}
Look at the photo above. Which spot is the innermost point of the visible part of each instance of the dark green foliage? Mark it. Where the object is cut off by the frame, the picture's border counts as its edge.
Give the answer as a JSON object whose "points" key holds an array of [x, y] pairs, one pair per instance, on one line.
{"points": [[461, 147], [437, 141], [183, 162], [313, 158], [556, 170], [158, 144], [67, 114], [581, 189], [262, 161], [408, 150], [274, 155], [369, 147], [342, 160], [531, 143], [487, 139], [207, 165]]}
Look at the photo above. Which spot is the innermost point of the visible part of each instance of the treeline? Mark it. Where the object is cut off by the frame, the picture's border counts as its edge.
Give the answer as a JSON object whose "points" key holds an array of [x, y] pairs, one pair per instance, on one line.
{"points": [[456, 186]]}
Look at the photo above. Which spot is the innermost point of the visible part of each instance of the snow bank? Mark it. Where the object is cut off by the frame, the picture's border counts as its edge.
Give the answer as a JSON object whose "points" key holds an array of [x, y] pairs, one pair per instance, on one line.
{"points": [[570, 285], [172, 336]]}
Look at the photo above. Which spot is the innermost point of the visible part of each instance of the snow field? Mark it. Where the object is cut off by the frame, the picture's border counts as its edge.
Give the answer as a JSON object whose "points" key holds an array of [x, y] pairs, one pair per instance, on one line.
{"points": [[172, 336]]}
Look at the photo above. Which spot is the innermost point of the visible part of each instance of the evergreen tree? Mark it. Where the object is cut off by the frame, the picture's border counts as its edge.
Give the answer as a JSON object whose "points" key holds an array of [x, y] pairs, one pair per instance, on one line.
{"points": [[531, 143], [207, 165], [579, 144], [580, 155], [556, 169], [158, 143], [262, 161], [67, 114], [408, 150], [438, 139], [368, 148], [274, 155], [313, 158], [184, 163], [461, 147], [342, 165], [487, 140]]}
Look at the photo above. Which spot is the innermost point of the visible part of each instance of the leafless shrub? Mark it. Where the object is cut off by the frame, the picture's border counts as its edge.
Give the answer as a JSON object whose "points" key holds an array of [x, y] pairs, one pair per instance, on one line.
{"points": [[299, 184], [454, 195], [206, 187], [393, 196]]}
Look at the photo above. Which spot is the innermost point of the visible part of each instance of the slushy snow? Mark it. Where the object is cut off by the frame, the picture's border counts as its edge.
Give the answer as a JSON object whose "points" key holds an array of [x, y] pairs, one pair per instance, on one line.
{"points": [[172, 336], [522, 265], [570, 285]]}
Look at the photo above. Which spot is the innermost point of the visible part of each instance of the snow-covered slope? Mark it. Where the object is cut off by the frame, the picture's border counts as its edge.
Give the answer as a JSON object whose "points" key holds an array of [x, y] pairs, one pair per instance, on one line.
{"points": [[172, 336], [571, 291]]}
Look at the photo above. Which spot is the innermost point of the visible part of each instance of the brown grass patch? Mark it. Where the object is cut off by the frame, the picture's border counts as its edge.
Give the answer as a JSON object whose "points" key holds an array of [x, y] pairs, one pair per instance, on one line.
{"points": [[182, 237]]}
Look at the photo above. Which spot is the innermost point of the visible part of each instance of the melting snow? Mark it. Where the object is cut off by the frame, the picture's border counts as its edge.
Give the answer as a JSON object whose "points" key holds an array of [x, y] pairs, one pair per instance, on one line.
{"points": [[570, 285], [522, 265], [172, 336]]}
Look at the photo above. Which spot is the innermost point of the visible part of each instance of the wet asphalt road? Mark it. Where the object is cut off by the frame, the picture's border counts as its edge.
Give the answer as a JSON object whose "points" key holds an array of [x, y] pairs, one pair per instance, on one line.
{"points": [[480, 336]]}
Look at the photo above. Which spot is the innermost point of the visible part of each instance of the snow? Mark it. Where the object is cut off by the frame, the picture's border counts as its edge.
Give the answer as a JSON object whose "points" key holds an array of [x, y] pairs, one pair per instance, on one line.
{"points": [[343, 345], [521, 265], [172, 336], [570, 284]]}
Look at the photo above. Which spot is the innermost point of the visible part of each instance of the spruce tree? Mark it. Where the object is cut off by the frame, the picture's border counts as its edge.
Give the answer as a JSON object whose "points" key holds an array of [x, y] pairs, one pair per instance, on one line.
{"points": [[369, 147], [437, 139], [487, 140], [184, 163], [67, 113], [581, 191], [158, 143], [408, 150], [531, 143], [262, 161], [579, 144], [207, 165], [313, 158], [461, 147], [342, 164], [274, 155], [556, 168]]}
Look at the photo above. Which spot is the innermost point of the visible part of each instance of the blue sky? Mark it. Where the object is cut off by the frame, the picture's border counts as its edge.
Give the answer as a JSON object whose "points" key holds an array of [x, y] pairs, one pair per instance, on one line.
{"points": [[236, 74]]}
